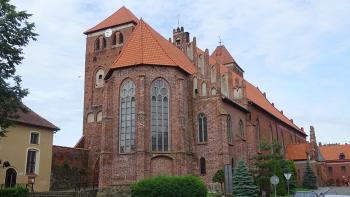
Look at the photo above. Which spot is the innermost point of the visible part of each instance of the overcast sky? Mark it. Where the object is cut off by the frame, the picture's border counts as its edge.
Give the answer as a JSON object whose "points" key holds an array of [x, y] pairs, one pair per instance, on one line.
{"points": [[298, 51]]}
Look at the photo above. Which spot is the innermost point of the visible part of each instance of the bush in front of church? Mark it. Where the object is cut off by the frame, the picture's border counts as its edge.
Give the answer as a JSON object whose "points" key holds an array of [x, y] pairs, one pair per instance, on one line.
{"points": [[14, 192], [169, 186]]}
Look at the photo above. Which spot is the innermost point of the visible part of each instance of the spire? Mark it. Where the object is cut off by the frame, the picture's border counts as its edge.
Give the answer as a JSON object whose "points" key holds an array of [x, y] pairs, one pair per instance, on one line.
{"points": [[146, 46], [120, 17]]}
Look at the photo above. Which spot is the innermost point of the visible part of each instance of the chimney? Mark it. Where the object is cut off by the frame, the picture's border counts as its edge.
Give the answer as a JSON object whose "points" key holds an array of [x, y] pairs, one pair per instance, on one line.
{"points": [[302, 129], [281, 111], [264, 94], [291, 120], [273, 104]]}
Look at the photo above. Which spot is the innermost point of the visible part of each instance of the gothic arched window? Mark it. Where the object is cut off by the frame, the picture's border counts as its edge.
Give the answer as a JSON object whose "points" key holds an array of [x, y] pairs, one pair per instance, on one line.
{"points": [[202, 166], [229, 130], [127, 117], [213, 74], [97, 44], [201, 64], [257, 133], [195, 86], [241, 128], [204, 89], [117, 38], [99, 78], [160, 115], [202, 128]]}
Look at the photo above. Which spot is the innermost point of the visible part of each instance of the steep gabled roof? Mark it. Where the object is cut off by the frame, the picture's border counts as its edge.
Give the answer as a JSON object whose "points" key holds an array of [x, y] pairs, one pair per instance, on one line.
{"points": [[222, 56], [121, 16], [257, 97], [332, 152], [146, 46], [297, 152], [32, 118]]}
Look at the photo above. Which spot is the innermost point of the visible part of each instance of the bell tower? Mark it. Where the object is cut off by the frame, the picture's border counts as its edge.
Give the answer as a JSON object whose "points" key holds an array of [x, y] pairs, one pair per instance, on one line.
{"points": [[104, 42]]}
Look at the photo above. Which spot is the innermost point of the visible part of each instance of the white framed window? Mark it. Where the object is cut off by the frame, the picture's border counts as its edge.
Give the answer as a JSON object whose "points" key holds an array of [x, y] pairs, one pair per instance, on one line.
{"points": [[127, 117], [160, 115], [34, 137], [32, 161]]}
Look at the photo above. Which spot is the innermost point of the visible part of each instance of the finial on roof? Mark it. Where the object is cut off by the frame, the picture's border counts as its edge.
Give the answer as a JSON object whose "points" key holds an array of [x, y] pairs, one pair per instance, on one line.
{"points": [[219, 41], [273, 104], [302, 128], [281, 111], [264, 94], [292, 120], [178, 20]]}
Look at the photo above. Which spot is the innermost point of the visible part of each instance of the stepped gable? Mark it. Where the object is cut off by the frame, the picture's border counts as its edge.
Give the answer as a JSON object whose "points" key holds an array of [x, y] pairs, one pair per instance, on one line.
{"points": [[120, 17], [147, 47]]}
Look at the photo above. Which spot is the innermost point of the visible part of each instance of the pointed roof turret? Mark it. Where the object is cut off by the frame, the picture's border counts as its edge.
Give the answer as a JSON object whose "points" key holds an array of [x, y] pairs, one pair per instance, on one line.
{"points": [[222, 56], [148, 47], [121, 16]]}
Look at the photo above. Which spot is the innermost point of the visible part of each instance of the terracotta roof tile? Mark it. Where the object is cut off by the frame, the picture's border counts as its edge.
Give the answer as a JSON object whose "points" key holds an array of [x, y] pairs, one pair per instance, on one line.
{"points": [[121, 16], [146, 46], [257, 97], [331, 152], [32, 118], [297, 151], [222, 56]]}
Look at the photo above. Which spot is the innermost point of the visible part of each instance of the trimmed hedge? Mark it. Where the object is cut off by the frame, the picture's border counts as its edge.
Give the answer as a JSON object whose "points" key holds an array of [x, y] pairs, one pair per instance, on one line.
{"points": [[14, 192], [169, 186]]}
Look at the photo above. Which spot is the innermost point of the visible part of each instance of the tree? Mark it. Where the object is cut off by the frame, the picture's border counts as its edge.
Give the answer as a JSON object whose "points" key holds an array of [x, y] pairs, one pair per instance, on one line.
{"points": [[309, 179], [15, 33], [219, 177], [243, 183]]}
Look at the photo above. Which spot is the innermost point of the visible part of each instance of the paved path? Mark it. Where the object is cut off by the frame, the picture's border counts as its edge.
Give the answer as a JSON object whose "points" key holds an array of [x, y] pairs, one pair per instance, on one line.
{"points": [[339, 190]]}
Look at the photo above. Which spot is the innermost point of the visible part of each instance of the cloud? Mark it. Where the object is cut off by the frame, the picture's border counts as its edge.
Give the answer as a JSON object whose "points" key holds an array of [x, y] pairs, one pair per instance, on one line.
{"points": [[295, 50]]}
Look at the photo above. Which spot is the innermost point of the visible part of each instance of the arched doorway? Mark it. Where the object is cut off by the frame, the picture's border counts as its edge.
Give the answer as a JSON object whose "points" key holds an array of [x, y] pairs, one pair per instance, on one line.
{"points": [[10, 178]]}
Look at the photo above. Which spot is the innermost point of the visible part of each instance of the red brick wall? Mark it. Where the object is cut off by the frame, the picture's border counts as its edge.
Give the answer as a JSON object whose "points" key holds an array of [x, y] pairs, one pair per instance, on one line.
{"points": [[76, 157], [338, 176]]}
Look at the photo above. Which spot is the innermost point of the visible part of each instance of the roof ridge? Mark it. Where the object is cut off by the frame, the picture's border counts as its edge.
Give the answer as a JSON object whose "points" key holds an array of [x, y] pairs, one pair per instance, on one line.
{"points": [[160, 45]]}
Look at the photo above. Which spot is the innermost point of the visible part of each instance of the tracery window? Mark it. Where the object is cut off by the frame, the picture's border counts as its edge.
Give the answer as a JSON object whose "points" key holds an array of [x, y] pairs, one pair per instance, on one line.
{"points": [[229, 130], [160, 115], [127, 117], [202, 128]]}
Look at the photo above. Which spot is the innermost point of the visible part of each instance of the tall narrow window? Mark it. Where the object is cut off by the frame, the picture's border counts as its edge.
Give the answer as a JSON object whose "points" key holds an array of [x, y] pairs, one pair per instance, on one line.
{"points": [[97, 44], [160, 115], [202, 166], [195, 86], [127, 117], [229, 130], [202, 128], [99, 78], [204, 89], [201, 64], [241, 128], [257, 133], [31, 161], [213, 74]]}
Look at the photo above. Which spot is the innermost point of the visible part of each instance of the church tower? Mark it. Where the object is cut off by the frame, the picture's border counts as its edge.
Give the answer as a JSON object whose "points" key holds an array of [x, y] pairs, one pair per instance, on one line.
{"points": [[104, 42]]}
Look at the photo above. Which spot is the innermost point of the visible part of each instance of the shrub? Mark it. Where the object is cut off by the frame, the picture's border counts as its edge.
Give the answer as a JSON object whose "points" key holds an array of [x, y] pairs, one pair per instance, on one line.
{"points": [[14, 192], [219, 177], [169, 186]]}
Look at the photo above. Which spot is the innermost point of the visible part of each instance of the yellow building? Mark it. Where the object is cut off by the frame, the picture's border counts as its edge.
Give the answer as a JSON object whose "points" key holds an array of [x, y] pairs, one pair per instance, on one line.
{"points": [[26, 152]]}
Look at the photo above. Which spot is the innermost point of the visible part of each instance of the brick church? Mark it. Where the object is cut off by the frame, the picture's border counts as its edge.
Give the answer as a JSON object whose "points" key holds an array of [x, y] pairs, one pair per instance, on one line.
{"points": [[157, 106]]}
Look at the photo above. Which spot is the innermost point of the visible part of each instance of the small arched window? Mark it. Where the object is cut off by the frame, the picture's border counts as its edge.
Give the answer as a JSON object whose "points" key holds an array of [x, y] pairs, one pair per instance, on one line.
{"points": [[97, 44], [127, 117], [204, 89], [202, 166], [257, 133], [202, 128], [213, 91], [241, 128], [90, 118], [117, 38], [99, 78], [99, 117], [195, 86], [229, 130], [213, 74], [160, 115], [341, 156]]}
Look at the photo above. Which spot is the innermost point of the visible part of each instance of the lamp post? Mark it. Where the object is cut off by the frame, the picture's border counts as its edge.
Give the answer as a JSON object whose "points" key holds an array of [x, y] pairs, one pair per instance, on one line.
{"points": [[274, 180], [287, 176]]}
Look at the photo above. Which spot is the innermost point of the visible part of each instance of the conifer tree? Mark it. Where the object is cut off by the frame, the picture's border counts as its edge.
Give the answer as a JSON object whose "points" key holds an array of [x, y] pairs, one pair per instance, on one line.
{"points": [[309, 179], [243, 184]]}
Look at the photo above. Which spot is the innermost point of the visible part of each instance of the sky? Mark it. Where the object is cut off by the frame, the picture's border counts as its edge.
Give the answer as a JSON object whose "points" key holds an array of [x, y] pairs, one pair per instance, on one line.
{"points": [[297, 51]]}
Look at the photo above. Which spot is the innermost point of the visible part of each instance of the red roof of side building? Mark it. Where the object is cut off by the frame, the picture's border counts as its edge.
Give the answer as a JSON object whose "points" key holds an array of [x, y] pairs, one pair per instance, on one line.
{"points": [[121, 16], [297, 152], [32, 118], [146, 46], [332, 152], [258, 98]]}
